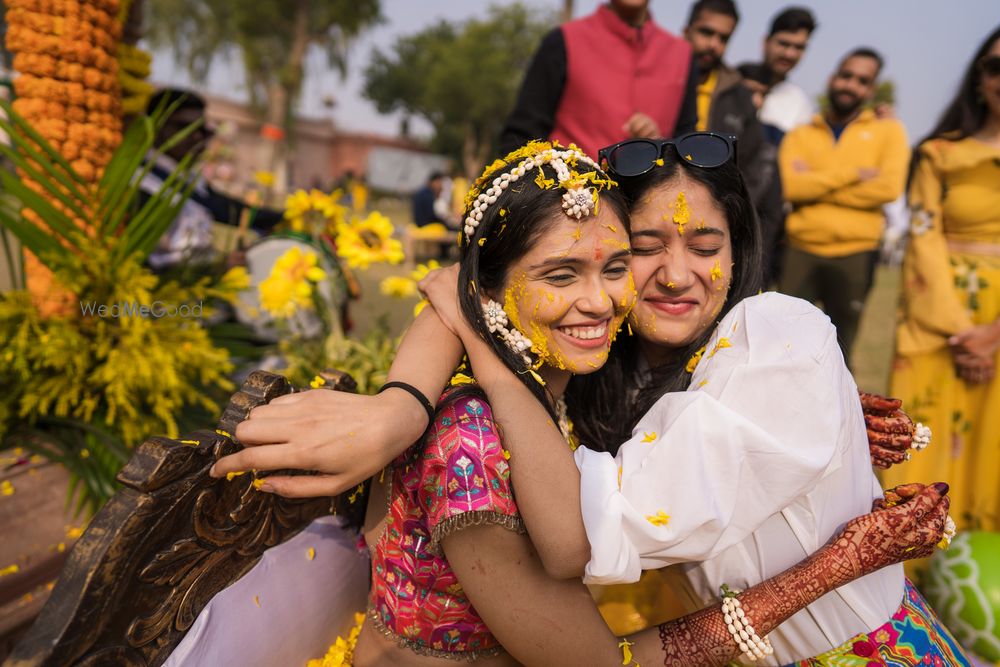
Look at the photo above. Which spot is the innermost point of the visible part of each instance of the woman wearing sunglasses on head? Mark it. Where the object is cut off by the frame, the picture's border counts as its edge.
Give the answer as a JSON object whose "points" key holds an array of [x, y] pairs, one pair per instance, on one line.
{"points": [[948, 343], [453, 574]]}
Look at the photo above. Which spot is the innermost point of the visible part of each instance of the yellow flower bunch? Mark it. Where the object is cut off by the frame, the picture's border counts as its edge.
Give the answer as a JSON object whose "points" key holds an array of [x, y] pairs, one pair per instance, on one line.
{"points": [[289, 286], [314, 211], [341, 653], [365, 241]]}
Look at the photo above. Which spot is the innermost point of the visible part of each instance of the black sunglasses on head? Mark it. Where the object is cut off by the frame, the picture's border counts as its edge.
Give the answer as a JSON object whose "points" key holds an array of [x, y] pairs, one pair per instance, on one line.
{"points": [[634, 157], [990, 65]]}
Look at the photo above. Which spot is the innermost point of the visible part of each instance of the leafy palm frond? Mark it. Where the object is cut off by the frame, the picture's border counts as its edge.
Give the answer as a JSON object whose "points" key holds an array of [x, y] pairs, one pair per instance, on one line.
{"points": [[109, 206]]}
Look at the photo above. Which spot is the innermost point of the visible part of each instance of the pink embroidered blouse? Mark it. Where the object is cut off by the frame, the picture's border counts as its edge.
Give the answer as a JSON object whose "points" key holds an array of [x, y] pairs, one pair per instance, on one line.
{"points": [[455, 477]]}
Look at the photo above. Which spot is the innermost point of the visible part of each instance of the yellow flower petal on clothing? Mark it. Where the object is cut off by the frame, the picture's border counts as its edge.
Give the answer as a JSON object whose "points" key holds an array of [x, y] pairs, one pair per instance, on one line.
{"points": [[10, 569], [256, 600], [506, 454], [649, 436], [693, 361], [722, 344], [461, 378], [311, 553], [625, 645], [661, 518]]}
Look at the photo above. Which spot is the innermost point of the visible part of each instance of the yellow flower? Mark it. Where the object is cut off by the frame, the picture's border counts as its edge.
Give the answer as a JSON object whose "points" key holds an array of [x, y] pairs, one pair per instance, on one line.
{"points": [[289, 286], [264, 178], [421, 271], [398, 286], [460, 379], [682, 212], [661, 518], [6, 488], [693, 361], [314, 211], [649, 437], [721, 345], [362, 242], [235, 279], [716, 273]]}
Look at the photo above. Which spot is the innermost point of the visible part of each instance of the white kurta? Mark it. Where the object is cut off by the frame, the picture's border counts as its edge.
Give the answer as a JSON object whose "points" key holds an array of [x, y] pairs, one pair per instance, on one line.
{"points": [[757, 465]]}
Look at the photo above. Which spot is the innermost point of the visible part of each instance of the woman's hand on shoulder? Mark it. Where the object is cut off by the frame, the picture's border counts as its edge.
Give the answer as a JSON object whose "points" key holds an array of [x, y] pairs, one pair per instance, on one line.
{"points": [[346, 438], [440, 288], [909, 524]]}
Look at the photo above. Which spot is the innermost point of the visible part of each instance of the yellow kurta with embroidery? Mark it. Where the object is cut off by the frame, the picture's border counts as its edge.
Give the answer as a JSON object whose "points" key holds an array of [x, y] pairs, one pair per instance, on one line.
{"points": [[951, 281]]}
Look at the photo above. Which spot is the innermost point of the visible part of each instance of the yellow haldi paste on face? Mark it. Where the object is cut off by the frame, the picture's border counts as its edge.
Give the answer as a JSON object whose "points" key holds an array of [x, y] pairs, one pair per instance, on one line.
{"points": [[682, 212]]}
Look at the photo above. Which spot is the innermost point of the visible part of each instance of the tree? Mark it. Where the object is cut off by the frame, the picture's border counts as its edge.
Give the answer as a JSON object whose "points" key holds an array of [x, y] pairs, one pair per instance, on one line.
{"points": [[272, 38], [462, 78]]}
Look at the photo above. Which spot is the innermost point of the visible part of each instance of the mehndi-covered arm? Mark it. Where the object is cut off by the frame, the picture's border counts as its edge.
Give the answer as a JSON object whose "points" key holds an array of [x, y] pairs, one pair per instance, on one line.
{"points": [[540, 620]]}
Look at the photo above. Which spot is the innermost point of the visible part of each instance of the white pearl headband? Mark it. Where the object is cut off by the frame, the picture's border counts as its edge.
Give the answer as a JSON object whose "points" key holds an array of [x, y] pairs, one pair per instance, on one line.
{"points": [[577, 202]]}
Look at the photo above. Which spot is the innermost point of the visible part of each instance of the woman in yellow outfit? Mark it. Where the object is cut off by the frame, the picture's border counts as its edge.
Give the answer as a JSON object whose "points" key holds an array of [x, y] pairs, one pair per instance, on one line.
{"points": [[948, 342]]}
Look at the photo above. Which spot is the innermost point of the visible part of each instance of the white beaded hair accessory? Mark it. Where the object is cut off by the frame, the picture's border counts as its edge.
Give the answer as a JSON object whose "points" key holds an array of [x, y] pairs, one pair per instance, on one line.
{"points": [[496, 322], [750, 643], [580, 199], [921, 438]]}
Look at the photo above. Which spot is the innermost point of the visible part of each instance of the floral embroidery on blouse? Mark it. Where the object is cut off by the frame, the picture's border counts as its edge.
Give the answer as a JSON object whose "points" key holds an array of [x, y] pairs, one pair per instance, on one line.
{"points": [[455, 477]]}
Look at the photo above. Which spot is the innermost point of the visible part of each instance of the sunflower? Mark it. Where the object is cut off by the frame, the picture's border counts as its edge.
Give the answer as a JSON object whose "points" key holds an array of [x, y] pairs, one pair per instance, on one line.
{"points": [[290, 283], [362, 242]]}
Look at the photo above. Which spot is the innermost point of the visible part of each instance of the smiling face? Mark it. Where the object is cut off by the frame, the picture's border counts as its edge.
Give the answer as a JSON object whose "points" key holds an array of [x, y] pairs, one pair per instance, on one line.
{"points": [[571, 292], [682, 264]]}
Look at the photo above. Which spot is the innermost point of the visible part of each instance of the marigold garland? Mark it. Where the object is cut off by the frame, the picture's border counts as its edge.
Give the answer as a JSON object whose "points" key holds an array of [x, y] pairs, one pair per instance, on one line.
{"points": [[66, 52]]}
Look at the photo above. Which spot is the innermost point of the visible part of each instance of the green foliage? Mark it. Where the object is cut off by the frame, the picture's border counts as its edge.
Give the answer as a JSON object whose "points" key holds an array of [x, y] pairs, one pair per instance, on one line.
{"points": [[367, 360], [270, 36], [462, 78], [79, 388]]}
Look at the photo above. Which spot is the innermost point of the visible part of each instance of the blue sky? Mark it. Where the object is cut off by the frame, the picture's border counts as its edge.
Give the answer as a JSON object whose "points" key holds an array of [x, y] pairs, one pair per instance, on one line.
{"points": [[926, 43]]}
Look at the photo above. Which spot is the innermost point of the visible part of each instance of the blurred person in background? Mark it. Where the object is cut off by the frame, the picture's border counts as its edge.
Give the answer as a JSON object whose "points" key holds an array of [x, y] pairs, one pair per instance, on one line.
{"points": [[723, 103], [785, 104], [757, 77], [837, 172], [609, 76], [947, 342], [189, 238]]}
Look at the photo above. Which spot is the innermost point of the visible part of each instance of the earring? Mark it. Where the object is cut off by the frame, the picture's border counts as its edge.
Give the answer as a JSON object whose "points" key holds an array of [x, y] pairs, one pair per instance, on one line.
{"points": [[497, 321]]}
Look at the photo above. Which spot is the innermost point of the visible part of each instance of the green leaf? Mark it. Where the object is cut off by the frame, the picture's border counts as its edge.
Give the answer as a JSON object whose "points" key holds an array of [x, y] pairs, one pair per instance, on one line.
{"points": [[149, 225], [43, 245], [53, 154], [29, 153], [58, 223]]}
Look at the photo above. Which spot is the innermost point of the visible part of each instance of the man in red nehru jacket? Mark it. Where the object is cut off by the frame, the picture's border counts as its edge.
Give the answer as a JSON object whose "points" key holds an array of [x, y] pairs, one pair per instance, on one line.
{"points": [[603, 78]]}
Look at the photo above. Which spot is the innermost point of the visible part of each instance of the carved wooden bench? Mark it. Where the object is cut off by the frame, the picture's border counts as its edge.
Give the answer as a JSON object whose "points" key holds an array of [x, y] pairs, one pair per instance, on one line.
{"points": [[162, 547]]}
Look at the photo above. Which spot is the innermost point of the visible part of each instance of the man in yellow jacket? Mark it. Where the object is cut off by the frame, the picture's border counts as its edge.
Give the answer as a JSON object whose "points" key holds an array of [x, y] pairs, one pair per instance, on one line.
{"points": [[837, 172]]}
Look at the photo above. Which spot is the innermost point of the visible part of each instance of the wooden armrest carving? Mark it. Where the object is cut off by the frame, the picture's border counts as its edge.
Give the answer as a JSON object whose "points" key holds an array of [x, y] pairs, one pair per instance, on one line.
{"points": [[163, 546]]}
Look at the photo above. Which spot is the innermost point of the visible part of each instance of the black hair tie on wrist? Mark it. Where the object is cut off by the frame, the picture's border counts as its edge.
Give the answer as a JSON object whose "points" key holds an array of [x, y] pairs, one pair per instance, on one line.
{"points": [[416, 393]]}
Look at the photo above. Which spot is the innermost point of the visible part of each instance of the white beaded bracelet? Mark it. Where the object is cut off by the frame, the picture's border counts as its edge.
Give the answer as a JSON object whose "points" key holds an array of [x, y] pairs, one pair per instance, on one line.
{"points": [[750, 643]]}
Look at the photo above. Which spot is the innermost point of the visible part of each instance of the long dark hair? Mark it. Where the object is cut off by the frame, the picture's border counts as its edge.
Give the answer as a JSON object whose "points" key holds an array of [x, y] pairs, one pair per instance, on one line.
{"points": [[967, 112], [509, 228], [597, 401]]}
